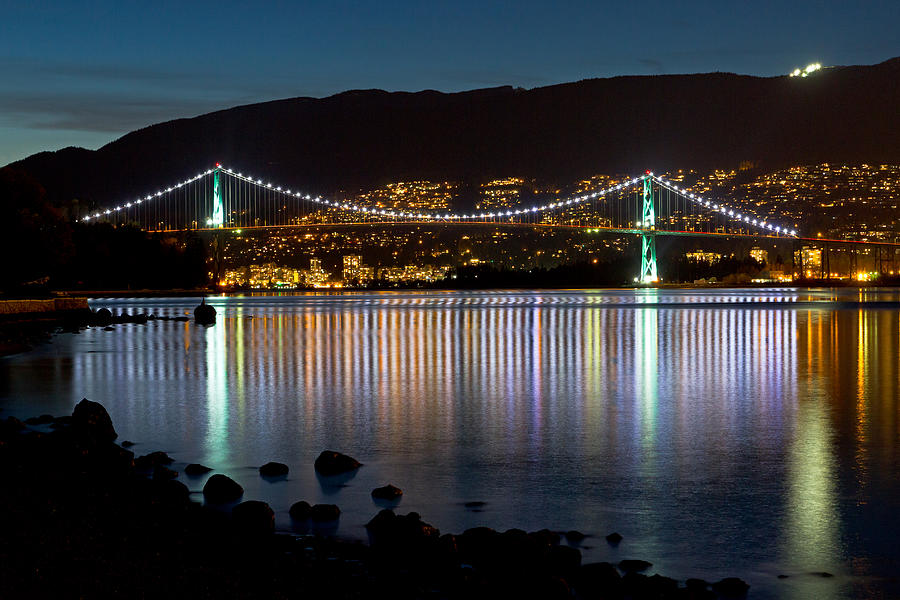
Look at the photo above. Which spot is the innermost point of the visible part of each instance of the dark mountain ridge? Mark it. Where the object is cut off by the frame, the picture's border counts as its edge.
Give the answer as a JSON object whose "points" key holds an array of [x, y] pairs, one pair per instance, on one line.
{"points": [[364, 138]]}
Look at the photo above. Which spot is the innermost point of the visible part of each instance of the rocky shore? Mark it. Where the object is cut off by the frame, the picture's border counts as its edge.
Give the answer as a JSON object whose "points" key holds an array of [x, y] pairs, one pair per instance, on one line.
{"points": [[22, 327], [82, 517]]}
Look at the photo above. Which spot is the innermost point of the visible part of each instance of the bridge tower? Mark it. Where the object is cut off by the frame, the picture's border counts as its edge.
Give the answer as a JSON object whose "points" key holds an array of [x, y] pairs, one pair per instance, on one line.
{"points": [[218, 216], [648, 236]]}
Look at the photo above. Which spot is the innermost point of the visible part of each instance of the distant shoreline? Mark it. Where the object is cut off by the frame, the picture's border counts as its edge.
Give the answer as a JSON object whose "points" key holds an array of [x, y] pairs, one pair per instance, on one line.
{"points": [[206, 292]]}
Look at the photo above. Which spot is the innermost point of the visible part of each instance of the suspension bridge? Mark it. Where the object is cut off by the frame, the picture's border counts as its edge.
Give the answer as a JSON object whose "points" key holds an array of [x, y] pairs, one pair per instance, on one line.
{"points": [[647, 206]]}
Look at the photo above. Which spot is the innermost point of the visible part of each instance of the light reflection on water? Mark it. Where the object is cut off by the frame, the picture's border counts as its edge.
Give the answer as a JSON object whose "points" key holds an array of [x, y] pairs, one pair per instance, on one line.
{"points": [[722, 432]]}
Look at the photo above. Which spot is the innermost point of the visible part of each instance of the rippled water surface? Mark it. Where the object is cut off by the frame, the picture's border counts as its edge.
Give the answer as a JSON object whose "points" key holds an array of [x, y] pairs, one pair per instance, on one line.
{"points": [[721, 432]]}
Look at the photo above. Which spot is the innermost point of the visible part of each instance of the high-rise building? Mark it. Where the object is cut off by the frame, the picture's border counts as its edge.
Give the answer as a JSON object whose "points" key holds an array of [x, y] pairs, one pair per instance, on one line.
{"points": [[352, 263], [809, 262], [316, 276]]}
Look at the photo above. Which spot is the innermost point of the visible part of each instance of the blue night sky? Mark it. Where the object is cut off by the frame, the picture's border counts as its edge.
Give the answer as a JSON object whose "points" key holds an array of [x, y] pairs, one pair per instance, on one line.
{"points": [[84, 73]]}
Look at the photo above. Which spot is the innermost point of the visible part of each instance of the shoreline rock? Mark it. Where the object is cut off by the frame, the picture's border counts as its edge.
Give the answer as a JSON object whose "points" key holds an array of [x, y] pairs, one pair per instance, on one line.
{"points": [[331, 463], [115, 531], [273, 469]]}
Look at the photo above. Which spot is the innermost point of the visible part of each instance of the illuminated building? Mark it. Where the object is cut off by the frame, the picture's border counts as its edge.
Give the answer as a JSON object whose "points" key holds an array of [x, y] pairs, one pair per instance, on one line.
{"points": [[316, 276], [500, 193], [809, 261], [759, 255], [352, 263], [702, 256]]}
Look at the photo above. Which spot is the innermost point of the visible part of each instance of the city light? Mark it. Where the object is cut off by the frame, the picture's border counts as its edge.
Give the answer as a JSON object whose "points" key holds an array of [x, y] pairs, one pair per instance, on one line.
{"points": [[810, 68]]}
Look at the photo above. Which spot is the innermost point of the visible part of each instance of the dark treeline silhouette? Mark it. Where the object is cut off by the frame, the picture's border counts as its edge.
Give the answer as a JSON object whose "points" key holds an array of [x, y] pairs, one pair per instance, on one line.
{"points": [[578, 274], [683, 269], [557, 133], [43, 249]]}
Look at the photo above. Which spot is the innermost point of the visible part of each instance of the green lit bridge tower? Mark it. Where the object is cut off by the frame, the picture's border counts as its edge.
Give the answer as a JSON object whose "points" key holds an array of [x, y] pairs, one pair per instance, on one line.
{"points": [[648, 236], [217, 222], [218, 215]]}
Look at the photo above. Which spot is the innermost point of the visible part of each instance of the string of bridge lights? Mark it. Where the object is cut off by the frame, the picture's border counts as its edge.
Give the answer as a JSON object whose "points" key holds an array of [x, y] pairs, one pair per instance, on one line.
{"points": [[721, 208], [449, 216], [159, 193], [367, 209], [427, 216]]}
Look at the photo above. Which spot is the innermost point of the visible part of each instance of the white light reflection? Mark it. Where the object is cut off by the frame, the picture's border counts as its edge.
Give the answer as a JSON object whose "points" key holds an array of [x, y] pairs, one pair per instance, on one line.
{"points": [[217, 434]]}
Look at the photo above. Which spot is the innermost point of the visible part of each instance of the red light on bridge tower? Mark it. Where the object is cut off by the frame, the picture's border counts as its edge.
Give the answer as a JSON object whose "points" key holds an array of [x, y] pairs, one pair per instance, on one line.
{"points": [[647, 172]]}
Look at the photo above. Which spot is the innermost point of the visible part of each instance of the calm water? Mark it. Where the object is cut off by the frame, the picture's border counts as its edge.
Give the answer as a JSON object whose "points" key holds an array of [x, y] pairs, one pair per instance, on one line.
{"points": [[740, 432]]}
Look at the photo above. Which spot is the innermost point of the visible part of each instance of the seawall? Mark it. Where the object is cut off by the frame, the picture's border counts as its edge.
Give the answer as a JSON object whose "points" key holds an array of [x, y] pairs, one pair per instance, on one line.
{"points": [[46, 308]]}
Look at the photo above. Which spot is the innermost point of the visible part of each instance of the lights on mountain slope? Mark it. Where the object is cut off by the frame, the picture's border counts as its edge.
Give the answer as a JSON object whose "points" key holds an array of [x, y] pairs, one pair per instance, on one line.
{"points": [[809, 70], [270, 187]]}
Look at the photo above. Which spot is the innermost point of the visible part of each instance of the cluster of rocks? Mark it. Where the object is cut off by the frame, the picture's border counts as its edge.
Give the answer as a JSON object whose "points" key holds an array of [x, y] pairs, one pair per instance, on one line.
{"points": [[84, 514], [21, 335], [104, 317]]}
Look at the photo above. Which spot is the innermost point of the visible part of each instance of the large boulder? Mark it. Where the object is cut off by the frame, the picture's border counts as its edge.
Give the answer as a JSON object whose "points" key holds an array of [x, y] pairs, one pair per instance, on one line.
{"points": [[598, 580], [172, 493], [161, 473], [254, 517], [564, 560], [220, 489], [148, 462], [273, 469], [300, 511], [205, 314], [400, 531], [731, 587], [330, 462], [92, 423], [324, 512], [10, 427], [102, 317]]}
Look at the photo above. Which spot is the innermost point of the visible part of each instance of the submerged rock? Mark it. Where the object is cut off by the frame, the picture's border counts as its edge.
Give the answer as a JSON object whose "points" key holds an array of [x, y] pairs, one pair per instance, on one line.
{"points": [[631, 566], [220, 489], [575, 537], [273, 469], [330, 462], [614, 538], [196, 469], [388, 492]]}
